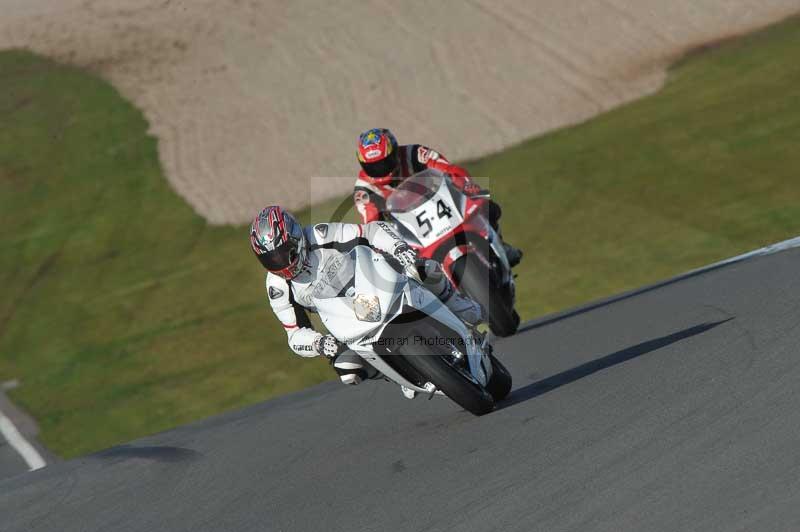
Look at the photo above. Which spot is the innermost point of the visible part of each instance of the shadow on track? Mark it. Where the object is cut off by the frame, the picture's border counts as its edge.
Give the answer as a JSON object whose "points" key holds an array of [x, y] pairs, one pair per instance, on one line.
{"points": [[543, 386]]}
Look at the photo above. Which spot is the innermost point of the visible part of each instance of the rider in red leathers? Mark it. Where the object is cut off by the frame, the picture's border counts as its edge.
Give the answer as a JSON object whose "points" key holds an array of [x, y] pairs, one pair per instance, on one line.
{"points": [[384, 164]]}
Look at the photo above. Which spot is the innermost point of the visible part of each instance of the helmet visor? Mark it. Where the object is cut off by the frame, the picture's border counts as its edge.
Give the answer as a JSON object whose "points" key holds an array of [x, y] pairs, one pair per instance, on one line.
{"points": [[281, 258], [382, 168]]}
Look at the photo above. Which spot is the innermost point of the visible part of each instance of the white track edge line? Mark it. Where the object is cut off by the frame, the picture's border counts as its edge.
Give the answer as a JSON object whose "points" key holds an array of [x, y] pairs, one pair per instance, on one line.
{"points": [[766, 250], [20, 444]]}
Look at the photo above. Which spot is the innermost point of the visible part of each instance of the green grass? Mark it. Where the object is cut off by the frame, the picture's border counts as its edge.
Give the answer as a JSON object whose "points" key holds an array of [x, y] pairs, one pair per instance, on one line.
{"points": [[707, 168], [123, 313]]}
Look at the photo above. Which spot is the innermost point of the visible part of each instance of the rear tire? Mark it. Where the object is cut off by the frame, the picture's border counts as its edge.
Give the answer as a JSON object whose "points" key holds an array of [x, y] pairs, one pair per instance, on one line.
{"points": [[480, 283], [431, 359]]}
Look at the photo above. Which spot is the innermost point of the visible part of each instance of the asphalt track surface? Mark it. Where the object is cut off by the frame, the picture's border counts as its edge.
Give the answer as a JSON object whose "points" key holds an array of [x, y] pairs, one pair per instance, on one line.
{"points": [[11, 463], [676, 408]]}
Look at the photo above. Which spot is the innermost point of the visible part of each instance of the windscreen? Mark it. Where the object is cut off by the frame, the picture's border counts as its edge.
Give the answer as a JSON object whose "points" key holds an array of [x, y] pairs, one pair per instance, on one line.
{"points": [[414, 191]]}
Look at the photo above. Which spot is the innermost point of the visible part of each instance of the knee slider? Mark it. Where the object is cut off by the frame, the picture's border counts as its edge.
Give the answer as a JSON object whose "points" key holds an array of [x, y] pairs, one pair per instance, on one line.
{"points": [[350, 378], [350, 371]]}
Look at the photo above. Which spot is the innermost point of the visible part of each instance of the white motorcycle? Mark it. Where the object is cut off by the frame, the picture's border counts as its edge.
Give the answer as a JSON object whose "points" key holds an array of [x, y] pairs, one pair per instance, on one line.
{"points": [[391, 320]]}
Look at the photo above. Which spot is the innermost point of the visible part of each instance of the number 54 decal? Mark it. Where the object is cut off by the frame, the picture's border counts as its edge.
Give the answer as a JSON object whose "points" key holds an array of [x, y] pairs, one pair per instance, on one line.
{"points": [[442, 211]]}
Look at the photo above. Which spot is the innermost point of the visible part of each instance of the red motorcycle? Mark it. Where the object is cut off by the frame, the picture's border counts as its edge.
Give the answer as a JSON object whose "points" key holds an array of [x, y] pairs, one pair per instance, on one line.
{"points": [[446, 225]]}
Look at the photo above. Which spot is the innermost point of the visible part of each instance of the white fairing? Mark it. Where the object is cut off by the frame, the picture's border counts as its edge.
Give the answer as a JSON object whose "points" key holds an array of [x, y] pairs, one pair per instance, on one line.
{"points": [[370, 275], [368, 281]]}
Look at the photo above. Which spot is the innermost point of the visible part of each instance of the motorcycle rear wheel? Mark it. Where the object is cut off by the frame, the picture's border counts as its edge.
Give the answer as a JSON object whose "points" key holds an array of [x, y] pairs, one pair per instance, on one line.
{"points": [[480, 283]]}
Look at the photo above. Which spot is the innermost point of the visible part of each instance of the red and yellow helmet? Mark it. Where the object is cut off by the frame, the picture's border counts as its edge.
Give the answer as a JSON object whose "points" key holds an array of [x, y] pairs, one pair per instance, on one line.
{"points": [[377, 154], [278, 241]]}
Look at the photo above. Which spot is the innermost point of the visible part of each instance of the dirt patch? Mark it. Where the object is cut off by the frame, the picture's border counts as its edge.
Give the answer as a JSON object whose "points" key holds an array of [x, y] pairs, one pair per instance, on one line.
{"points": [[251, 99], [10, 175]]}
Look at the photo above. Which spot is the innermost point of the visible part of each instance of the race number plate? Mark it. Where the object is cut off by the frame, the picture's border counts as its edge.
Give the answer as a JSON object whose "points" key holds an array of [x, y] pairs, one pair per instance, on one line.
{"points": [[433, 219]]}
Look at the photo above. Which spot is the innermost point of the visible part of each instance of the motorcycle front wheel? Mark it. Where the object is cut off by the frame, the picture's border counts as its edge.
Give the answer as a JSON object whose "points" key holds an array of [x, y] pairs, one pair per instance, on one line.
{"points": [[430, 353], [499, 384]]}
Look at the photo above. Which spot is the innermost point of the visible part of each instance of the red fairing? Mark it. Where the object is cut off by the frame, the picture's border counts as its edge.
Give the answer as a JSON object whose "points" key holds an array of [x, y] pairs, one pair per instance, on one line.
{"points": [[367, 208], [458, 175], [475, 222]]}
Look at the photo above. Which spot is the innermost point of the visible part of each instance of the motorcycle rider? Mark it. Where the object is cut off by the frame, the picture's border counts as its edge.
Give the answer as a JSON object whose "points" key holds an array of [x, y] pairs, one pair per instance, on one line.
{"points": [[385, 164], [295, 256]]}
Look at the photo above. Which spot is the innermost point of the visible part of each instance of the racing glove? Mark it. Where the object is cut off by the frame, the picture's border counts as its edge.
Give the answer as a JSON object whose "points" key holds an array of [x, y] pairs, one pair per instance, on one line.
{"points": [[407, 257], [405, 254], [327, 345], [473, 189]]}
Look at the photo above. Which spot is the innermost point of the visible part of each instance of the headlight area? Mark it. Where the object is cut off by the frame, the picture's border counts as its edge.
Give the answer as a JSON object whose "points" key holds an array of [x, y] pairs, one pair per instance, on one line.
{"points": [[367, 308]]}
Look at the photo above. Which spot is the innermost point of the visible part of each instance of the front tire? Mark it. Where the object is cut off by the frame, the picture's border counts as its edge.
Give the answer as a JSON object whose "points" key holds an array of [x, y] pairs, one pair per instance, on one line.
{"points": [[499, 384], [433, 360]]}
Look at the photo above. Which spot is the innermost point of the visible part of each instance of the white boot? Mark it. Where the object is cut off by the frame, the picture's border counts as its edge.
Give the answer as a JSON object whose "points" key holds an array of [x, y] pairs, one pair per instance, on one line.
{"points": [[408, 393]]}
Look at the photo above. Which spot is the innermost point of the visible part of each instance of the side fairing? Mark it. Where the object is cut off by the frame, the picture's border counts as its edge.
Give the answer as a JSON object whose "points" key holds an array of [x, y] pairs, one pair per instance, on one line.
{"points": [[370, 283]]}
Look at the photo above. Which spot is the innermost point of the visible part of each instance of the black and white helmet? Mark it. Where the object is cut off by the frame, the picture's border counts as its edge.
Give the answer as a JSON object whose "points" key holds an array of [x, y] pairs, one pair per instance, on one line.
{"points": [[277, 239]]}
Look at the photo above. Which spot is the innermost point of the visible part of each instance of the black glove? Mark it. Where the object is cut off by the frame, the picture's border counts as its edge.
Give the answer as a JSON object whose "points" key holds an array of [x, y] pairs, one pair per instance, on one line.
{"points": [[327, 345], [407, 257], [405, 254]]}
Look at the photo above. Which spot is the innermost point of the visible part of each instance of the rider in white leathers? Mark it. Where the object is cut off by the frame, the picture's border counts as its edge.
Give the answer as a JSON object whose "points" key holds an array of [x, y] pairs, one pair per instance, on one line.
{"points": [[294, 257]]}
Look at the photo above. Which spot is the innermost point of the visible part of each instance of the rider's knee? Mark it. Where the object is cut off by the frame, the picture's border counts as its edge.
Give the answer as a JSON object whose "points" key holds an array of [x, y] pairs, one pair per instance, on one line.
{"points": [[350, 378], [434, 279], [466, 309]]}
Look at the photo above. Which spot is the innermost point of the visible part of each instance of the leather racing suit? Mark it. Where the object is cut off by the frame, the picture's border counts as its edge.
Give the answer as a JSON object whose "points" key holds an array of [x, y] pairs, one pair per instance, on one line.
{"points": [[327, 242]]}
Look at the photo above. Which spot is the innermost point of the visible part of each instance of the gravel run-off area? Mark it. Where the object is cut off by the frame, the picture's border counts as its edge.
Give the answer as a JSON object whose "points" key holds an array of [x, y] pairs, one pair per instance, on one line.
{"points": [[250, 100]]}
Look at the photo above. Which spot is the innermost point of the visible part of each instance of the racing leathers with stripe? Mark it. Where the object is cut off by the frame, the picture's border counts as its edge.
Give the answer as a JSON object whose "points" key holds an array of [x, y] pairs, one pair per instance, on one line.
{"points": [[329, 242]]}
